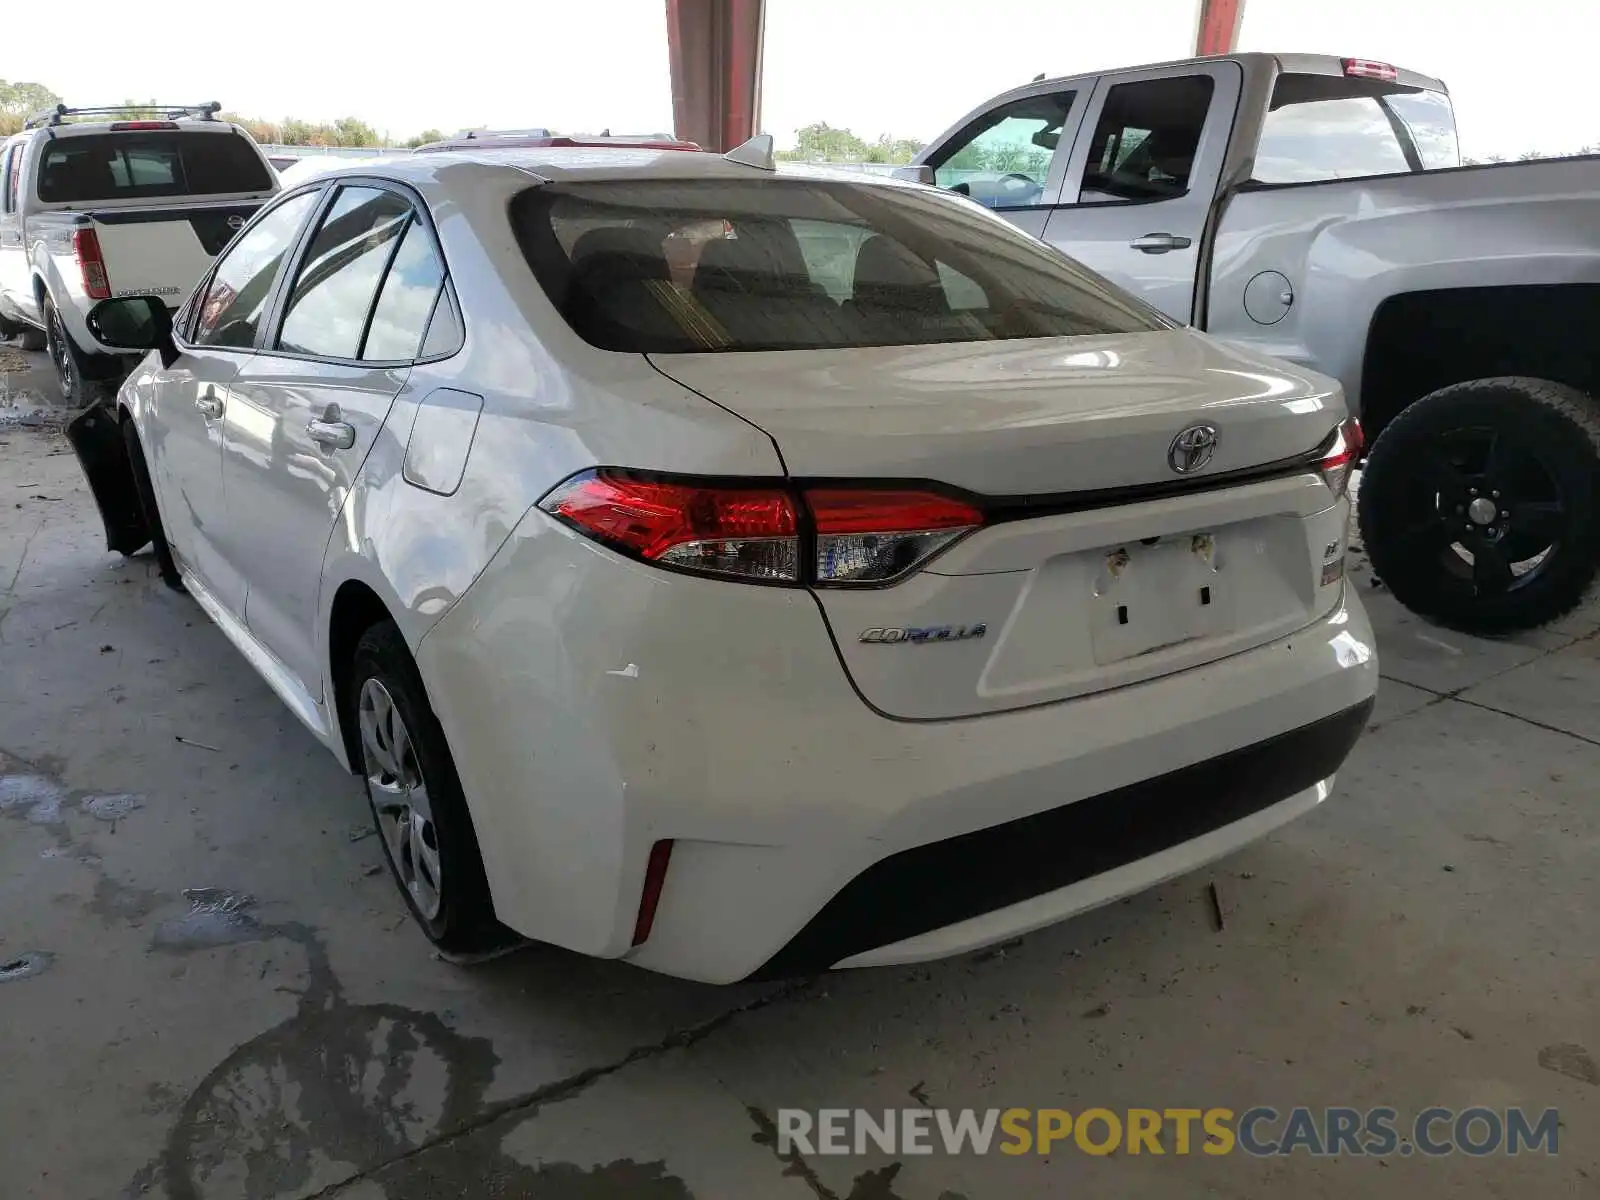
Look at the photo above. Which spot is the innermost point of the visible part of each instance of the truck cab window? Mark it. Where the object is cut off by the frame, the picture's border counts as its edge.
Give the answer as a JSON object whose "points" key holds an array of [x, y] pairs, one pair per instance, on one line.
{"points": [[1002, 159], [1323, 127], [1145, 141]]}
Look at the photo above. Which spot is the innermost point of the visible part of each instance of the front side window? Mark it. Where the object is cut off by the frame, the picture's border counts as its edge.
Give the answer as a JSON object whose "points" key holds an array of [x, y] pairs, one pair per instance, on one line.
{"points": [[1322, 127], [1003, 158], [798, 264], [1145, 142], [339, 274], [241, 285]]}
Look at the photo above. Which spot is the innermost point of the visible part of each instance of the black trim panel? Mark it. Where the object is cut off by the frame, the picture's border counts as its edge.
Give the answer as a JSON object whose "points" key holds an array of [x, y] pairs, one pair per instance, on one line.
{"points": [[929, 887]]}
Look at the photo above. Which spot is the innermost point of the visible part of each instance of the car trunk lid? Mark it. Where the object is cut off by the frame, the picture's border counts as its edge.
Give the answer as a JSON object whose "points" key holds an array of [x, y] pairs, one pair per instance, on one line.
{"points": [[1099, 564]]}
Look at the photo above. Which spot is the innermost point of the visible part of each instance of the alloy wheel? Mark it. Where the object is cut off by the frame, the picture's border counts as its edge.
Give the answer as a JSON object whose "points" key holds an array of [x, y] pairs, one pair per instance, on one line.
{"points": [[400, 798], [1492, 511]]}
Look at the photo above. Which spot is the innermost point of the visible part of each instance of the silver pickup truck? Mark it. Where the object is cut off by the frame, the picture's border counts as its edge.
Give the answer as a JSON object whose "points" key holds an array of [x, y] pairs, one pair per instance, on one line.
{"points": [[1316, 208], [105, 202]]}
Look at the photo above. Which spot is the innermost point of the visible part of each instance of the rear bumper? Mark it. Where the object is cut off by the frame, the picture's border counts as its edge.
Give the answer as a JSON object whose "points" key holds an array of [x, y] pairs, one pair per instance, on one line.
{"points": [[595, 706], [966, 891]]}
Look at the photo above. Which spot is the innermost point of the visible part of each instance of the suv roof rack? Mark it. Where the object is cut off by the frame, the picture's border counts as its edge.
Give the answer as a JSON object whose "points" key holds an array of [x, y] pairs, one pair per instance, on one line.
{"points": [[59, 114]]}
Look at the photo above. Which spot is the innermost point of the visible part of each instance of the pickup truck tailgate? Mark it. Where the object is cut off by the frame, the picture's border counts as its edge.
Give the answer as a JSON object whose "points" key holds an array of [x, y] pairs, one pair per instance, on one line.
{"points": [[163, 251]]}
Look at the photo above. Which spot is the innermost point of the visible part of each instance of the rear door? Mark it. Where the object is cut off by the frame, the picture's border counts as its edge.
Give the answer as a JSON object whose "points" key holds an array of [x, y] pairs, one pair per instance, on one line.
{"points": [[306, 410], [1138, 188]]}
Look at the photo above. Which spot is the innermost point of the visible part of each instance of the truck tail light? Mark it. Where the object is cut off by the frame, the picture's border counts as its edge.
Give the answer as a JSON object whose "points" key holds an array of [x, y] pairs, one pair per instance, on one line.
{"points": [[861, 537], [875, 537], [118, 126], [1341, 456], [91, 264], [1365, 68]]}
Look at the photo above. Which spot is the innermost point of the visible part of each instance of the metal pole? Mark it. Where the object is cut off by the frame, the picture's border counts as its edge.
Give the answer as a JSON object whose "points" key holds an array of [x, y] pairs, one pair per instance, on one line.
{"points": [[714, 47], [1217, 26]]}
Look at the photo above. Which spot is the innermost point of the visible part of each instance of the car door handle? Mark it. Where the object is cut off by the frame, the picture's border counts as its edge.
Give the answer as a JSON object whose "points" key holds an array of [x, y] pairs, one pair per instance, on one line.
{"points": [[209, 404], [332, 435], [1160, 243]]}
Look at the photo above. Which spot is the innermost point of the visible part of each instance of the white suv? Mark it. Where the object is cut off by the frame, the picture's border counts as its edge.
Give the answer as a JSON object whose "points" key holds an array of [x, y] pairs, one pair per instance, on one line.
{"points": [[744, 572], [102, 202]]}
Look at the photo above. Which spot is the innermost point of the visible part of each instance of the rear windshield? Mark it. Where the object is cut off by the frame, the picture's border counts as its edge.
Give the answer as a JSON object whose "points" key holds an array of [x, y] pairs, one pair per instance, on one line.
{"points": [[670, 265], [1329, 127], [132, 166]]}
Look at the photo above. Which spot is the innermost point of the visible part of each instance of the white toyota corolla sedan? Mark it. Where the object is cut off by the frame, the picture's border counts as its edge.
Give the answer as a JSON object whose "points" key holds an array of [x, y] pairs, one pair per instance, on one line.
{"points": [[743, 572]]}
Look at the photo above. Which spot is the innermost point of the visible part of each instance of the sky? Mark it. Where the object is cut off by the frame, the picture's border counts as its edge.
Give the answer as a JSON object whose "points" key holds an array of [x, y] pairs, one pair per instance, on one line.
{"points": [[905, 67]]}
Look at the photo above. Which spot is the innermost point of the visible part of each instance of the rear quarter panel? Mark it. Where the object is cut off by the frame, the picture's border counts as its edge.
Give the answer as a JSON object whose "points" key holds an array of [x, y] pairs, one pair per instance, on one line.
{"points": [[1346, 246]]}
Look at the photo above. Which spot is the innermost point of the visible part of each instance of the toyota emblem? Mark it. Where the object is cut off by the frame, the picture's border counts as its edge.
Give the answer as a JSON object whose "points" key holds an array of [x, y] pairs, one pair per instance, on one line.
{"points": [[235, 222], [1192, 448]]}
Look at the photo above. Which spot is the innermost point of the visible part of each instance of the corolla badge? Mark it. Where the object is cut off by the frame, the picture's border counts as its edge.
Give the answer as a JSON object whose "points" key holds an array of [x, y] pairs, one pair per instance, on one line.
{"points": [[895, 635], [1192, 448]]}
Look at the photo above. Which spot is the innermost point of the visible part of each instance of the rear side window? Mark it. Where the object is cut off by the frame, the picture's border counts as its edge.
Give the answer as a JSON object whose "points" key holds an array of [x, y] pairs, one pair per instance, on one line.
{"points": [[1329, 127], [797, 264], [136, 165], [406, 300], [1146, 139], [11, 177], [339, 275]]}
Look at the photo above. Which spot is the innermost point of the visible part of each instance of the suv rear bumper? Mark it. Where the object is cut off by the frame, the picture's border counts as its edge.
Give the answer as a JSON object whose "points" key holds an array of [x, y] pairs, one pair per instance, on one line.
{"points": [[596, 706]]}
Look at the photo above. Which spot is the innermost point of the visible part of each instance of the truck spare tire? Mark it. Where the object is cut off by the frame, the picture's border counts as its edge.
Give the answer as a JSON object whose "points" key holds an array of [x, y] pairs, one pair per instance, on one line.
{"points": [[1480, 504]]}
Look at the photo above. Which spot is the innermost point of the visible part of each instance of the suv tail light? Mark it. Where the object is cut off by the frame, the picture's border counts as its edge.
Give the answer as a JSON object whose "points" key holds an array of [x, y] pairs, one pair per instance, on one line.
{"points": [[1341, 456], [857, 536], [119, 126], [91, 264]]}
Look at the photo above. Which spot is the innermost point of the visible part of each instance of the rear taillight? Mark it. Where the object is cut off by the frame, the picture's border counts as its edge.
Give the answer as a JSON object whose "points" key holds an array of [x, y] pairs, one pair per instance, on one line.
{"points": [[875, 537], [91, 264], [1341, 456], [736, 532], [861, 537], [1365, 68]]}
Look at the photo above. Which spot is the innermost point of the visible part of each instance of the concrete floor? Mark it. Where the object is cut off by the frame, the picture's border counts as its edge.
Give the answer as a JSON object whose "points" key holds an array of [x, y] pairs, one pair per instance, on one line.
{"points": [[219, 994]]}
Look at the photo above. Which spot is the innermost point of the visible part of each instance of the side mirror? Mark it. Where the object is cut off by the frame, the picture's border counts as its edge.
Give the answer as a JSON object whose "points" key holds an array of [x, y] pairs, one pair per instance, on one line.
{"points": [[921, 173], [134, 323]]}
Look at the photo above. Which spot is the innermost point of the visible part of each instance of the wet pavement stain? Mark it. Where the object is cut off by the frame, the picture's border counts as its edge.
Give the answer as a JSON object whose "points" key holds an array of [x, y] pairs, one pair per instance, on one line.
{"points": [[216, 917], [1570, 1060], [342, 1091], [869, 1185], [25, 966], [112, 808]]}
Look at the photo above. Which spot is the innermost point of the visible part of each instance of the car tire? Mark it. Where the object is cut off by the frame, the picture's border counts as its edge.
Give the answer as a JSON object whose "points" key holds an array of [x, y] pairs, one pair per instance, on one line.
{"points": [[31, 339], [9, 329], [1507, 470], [146, 493], [416, 799], [71, 364]]}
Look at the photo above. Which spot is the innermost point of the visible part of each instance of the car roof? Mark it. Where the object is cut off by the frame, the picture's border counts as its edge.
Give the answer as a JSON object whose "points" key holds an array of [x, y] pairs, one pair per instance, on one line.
{"points": [[554, 164]]}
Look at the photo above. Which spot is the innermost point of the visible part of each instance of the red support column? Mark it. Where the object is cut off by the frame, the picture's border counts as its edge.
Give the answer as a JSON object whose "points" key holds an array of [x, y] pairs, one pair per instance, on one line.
{"points": [[715, 51], [1217, 30]]}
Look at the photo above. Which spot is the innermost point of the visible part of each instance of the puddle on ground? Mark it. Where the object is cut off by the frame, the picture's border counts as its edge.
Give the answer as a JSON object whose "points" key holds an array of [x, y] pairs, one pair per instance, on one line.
{"points": [[19, 792], [25, 966], [112, 808], [216, 917]]}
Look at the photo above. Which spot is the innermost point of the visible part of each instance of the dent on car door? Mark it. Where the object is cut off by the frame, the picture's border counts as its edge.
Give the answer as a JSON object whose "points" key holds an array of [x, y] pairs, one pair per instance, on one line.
{"points": [[1011, 158], [308, 408], [1139, 187]]}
